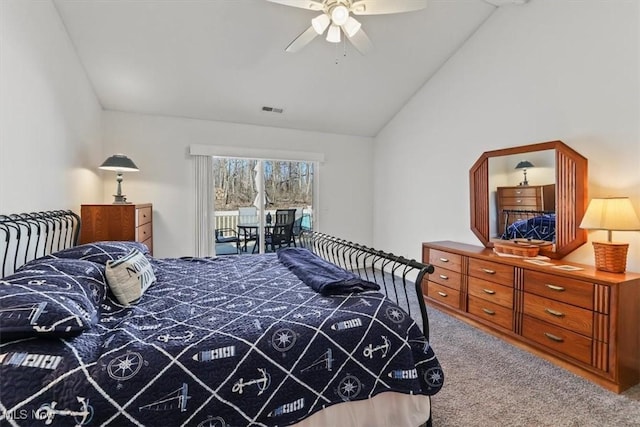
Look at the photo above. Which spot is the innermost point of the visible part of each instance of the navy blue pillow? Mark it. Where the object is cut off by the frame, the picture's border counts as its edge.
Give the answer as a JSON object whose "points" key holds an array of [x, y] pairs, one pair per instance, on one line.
{"points": [[51, 298], [99, 252]]}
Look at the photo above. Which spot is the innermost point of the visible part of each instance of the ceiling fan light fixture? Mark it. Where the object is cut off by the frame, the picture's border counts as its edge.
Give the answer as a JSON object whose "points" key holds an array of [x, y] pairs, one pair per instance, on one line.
{"points": [[340, 15], [320, 23], [351, 27], [333, 35]]}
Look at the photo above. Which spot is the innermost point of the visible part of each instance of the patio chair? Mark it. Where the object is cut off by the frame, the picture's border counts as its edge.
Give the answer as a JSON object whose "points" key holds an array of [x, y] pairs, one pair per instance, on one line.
{"points": [[297, 224], [225, 237], [247, 215], [282, 232]]}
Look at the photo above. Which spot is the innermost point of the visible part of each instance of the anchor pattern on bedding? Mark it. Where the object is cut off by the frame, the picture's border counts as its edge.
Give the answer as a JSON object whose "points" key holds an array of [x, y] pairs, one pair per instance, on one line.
{"points": [[231, 341]]}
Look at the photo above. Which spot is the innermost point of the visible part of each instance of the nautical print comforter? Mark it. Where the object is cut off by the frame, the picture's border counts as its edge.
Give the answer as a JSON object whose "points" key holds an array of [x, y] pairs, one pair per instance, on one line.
{"points": [[230, 341]]}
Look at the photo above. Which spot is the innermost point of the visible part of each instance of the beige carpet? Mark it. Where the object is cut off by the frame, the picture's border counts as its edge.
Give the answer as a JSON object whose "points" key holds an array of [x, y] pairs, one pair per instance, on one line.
{"points": [[491, 383]]}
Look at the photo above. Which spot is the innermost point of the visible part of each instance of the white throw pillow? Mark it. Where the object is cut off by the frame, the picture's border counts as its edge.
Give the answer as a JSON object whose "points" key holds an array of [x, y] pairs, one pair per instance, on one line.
{"points": [[129, 276]]}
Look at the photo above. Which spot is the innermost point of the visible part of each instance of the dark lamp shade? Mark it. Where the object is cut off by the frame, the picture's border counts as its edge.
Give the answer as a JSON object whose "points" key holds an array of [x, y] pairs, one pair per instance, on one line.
{"points": [[524, 164], [119, 163]]}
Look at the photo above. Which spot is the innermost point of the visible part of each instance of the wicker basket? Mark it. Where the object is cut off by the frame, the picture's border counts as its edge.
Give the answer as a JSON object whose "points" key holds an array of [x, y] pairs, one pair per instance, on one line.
{"points": [[518, 248], [611, 257]]}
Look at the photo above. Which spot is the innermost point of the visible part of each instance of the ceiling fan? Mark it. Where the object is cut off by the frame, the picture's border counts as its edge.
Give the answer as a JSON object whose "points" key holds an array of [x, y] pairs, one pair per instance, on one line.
{"points": [[336, 17]]}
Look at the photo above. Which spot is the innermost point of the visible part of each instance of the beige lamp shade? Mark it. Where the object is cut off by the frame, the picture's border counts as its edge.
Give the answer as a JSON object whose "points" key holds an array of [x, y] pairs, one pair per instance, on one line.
{"points": [[611, 214]]}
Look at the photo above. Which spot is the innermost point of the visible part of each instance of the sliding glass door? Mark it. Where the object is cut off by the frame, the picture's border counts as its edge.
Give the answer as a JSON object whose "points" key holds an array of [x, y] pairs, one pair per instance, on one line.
{"points": [[249, 191]]}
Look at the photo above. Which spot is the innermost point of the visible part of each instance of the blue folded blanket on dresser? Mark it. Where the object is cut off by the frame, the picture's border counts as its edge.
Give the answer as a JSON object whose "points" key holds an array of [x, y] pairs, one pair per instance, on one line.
{"points": [[320, 275]]}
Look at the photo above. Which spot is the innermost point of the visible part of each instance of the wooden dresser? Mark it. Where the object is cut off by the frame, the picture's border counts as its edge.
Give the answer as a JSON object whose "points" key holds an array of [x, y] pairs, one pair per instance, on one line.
{"points": [[530, 197], [587, 321], [132, 222]]}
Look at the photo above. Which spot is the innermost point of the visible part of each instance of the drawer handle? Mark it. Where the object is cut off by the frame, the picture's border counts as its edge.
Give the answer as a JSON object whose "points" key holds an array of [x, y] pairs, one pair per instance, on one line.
{"points": [[442, 276], [553, 337], [486, 270], [490, 312], [442, 294], [554, 312], [518, 201], [555, 287], [489, 291], [444, 259]]}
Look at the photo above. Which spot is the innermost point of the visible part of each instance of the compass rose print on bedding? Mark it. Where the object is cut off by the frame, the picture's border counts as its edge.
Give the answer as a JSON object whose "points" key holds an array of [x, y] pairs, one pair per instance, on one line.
{"points": [[349, 388], [126, 366], [283, 339]]}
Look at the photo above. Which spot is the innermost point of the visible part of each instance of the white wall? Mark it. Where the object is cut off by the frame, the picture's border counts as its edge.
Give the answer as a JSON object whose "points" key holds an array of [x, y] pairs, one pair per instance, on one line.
{"points": [[550, 69], [50, 135], [159, 147]]}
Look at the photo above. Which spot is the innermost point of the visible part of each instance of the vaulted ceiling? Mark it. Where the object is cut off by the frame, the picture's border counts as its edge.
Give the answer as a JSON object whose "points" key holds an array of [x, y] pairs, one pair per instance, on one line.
{"points": [[224, 60]]}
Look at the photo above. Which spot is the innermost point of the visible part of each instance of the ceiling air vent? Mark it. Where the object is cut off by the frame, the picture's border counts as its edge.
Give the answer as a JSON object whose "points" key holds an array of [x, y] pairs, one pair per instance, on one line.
{"points": [[272, 109]]}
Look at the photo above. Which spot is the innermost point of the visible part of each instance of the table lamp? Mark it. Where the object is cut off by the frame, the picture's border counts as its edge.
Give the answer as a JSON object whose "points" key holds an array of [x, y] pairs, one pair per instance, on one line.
{"points": [[611, 214], [119, 163], [524, 165]]}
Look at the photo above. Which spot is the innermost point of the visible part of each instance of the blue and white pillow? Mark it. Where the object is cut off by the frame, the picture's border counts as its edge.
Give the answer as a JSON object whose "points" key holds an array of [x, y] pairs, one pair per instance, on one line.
{"points": [[52, 298], [99, 252]]}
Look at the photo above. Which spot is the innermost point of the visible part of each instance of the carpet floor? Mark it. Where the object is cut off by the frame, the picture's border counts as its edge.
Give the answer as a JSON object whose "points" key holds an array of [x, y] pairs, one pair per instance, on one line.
{"points": [[489, 382]]}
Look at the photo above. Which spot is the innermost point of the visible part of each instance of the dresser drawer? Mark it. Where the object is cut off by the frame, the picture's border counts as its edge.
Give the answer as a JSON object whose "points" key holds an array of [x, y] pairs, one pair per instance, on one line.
{"points": [[557, 338], [564, 289], [445, 295], [445, 277], [523, 205], [489, 291], [149, 244], [446, 260], [568, 316], [492, 271], [143, 216], [143, 232], [494, 313], [519, 192]]}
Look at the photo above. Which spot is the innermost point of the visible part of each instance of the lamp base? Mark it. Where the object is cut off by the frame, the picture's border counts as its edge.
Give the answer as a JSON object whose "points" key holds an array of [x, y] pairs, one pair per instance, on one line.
{"points": [[611, 257], [120, 199]]}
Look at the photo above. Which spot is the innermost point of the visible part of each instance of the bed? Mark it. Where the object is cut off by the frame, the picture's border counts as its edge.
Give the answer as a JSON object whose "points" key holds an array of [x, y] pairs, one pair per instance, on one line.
{"points": [[529, 224], [312, 336]]}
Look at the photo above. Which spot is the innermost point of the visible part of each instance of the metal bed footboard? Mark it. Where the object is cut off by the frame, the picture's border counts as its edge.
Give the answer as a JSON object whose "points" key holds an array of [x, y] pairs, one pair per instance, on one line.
{"points": [[27, 236], [395, 274]]}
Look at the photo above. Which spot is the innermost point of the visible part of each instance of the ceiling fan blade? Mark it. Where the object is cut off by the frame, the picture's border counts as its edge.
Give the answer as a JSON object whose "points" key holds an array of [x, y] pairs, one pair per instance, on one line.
{"points": [[379, 7], [302, 4], [302, 40], [361, 42]]}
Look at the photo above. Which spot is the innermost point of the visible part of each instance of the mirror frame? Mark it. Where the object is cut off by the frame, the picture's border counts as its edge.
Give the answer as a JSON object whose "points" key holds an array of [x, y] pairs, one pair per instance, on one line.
{"points": [[571, 195]]}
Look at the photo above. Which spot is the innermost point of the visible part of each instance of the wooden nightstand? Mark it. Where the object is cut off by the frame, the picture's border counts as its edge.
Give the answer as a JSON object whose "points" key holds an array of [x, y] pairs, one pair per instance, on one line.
{"points": [[132, 222]]}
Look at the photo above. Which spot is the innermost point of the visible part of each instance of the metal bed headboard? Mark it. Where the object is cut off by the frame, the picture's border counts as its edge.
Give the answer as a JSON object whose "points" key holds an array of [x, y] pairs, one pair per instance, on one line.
{"points": [[395, 274], [27, 236], [514, 215]]}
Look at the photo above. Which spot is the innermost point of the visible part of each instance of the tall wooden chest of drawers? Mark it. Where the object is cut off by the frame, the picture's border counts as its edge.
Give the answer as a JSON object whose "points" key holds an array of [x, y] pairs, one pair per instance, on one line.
{"points": [[525, 197], [133, 222], [585, 320]]}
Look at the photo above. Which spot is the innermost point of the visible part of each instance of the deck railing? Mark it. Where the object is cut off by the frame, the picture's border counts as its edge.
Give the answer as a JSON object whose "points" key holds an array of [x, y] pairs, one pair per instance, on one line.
{"points": [[229, 219]]}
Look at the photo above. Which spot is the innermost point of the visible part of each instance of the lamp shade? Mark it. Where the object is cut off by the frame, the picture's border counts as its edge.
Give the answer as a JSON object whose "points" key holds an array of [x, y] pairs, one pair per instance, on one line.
{"points": [[333, 35], [524, 164], [119, 163], [614, 213], [351, 27], [320, 23]]}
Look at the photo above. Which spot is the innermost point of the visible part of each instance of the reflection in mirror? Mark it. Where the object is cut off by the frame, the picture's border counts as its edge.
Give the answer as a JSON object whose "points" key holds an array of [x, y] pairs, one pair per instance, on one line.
{"points": [[557, 182], [522, 196]]}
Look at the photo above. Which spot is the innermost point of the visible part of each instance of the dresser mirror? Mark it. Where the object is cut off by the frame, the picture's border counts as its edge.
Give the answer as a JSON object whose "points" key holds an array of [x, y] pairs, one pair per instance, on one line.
{"points": [[535, 191]]}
